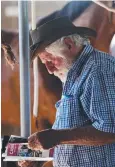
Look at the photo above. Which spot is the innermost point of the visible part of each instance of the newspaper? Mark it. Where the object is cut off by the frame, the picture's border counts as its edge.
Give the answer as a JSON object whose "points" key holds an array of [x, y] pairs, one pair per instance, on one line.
{"points": [[16, 150]]}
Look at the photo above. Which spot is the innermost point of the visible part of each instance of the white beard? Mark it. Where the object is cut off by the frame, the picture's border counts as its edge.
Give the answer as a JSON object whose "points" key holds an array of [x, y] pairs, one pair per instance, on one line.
{"points": [[58, 50], [62, 74]]}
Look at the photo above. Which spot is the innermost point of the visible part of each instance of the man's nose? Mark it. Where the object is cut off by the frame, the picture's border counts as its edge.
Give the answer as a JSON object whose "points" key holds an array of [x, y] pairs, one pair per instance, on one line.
{"points": [[50, 67]]}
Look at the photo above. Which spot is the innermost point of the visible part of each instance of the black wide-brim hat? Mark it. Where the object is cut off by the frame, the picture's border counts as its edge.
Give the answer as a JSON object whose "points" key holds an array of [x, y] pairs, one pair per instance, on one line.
{"points": [[53, 30]]}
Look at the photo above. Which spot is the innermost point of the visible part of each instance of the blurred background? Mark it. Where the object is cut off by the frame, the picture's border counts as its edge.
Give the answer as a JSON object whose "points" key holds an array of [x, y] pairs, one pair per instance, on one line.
{"points": [[9, 11]]}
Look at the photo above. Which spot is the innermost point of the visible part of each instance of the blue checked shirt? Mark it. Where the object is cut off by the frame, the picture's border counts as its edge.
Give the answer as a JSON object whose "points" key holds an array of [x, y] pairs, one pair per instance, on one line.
{"points": [[88, 98]]}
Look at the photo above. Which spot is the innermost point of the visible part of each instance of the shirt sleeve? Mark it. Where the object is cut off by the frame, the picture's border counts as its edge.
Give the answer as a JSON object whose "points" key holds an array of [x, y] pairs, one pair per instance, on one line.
{"points": [[98, 100]]}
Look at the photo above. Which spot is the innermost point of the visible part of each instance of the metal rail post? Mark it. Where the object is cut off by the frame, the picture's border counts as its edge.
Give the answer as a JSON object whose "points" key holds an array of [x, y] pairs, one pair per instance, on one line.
{"points": [[24, 69], [35, 65]]}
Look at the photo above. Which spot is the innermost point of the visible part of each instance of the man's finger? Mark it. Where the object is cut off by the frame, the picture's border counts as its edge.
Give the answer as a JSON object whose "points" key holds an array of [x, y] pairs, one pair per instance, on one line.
{"points": [[32, 136], [34, 146], [26, 163]]}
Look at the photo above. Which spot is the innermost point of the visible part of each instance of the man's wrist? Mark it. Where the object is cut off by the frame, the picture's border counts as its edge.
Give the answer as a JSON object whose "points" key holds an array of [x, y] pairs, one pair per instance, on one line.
{"points": [[64, 136]]}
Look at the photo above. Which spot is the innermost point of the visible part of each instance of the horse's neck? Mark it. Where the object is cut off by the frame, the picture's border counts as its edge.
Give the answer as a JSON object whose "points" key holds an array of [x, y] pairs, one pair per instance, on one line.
{"points": [[96, 17], [89, 18]]}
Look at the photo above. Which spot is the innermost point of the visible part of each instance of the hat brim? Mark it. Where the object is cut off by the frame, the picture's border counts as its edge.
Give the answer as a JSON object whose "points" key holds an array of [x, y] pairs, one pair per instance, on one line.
{"points": [[83, 31], [38, 46]]}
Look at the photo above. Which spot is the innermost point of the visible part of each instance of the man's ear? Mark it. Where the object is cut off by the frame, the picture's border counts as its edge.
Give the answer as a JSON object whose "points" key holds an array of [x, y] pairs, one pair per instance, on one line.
{"points": [[69, 43]]}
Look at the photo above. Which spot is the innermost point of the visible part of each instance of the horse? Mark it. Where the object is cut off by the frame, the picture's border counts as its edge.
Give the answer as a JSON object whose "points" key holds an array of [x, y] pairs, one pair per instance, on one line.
{"points": [[86, 14]]}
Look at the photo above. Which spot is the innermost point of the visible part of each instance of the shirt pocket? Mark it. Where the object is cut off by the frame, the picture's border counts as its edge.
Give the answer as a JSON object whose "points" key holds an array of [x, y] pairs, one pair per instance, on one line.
{"points": [[65, 107]]}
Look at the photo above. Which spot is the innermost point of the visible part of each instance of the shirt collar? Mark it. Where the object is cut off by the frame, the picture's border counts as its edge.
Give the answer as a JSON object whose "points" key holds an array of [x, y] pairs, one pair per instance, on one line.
{"points": [[77, 67], [82, 58]]}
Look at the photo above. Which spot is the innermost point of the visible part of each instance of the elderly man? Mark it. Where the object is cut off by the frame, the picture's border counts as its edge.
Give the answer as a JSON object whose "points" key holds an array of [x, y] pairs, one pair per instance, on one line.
{"points": [[83, 134]]}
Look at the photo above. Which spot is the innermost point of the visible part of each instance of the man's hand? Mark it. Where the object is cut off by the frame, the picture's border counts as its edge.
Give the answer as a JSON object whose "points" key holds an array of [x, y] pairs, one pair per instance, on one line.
{"points": [[26, 163], [43, 140]]}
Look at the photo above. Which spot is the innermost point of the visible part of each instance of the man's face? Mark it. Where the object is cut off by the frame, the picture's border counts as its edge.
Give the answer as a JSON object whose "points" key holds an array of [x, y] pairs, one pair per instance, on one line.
{"points": [[58, 60], [56, 65]]}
